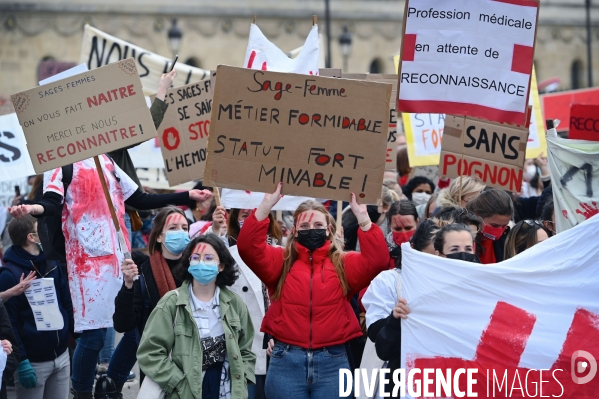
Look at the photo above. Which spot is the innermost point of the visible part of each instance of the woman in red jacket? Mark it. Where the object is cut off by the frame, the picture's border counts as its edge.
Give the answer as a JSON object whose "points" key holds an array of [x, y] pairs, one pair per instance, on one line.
{"points": [[310, 282]]}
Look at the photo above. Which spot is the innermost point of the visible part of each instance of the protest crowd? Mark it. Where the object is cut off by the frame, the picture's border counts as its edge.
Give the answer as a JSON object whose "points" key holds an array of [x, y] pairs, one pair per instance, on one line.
{"points": [[268, 295]]}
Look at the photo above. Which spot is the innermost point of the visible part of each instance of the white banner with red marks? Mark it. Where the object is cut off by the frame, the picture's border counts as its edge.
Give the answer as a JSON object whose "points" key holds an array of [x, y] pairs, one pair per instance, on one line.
{"points": [[528, 325], [263, 55], [574, 166], [472, 57]]}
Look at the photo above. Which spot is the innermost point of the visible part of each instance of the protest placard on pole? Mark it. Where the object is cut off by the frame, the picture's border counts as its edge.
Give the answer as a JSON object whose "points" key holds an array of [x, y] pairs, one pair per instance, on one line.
{"points": [[100, 49], [85, 115], [183, 133], [584, 122], [469, 58], [574, 165], [493, 152], [306, 131]]}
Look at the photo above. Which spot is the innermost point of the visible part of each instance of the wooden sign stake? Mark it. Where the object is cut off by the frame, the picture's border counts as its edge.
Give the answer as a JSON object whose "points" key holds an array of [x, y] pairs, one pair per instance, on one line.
{"points": [[314, 20], [216, 195], [117, 226], [461, 174], [339, 211], [254, 21]]}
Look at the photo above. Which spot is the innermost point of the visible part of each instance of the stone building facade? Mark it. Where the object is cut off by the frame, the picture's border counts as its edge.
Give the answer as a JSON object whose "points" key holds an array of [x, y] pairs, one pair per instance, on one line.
{"points": [[215, 32]]}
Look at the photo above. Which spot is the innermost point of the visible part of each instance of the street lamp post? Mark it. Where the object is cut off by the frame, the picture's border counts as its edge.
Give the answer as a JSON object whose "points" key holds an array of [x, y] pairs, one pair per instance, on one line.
{"points": [[175, 35], [345, 43]]}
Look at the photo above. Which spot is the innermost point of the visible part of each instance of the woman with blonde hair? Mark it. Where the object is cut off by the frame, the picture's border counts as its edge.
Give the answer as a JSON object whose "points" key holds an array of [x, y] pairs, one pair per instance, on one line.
{"points": [[310, 282], [471, 187]]}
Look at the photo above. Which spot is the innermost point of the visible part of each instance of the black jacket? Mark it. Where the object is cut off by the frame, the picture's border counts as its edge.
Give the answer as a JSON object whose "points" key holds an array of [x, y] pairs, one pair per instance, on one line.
{"points": [[386, 335], [132, 307], [6, 332], [37, 346]]}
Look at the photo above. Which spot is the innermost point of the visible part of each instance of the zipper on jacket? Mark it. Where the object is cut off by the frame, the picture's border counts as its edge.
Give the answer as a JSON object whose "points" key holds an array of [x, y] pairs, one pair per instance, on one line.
{"points": [[311, 277]]}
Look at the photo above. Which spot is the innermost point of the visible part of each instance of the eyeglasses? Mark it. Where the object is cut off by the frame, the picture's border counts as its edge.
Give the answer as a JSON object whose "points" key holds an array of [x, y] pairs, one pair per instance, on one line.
{"points": [[195, 259], [533, 223]]}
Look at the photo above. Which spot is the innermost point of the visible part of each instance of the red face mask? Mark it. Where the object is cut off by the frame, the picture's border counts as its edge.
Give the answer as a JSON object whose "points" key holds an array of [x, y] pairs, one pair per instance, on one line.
{"points": [[493, 233], [399, 237]]}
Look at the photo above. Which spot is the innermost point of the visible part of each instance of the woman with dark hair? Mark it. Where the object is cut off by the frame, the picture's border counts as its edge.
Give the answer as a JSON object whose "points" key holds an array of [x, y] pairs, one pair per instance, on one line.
{"points": [[548, 217], [200, 323], [524, 235], [402, 219], [310, 282], [496, 209], [137, 298], [419, 190], [386, 307], [459, 215]]}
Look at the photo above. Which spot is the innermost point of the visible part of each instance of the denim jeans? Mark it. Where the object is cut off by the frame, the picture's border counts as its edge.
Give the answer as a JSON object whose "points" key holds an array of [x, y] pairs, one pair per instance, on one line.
{"points": [[256, 391], [308, 374], [124, 357], [108, 348], [85, 359]]}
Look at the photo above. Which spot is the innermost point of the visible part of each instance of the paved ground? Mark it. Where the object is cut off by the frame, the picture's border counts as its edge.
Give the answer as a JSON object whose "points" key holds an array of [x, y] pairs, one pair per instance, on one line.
{"points": [[129, 391]]}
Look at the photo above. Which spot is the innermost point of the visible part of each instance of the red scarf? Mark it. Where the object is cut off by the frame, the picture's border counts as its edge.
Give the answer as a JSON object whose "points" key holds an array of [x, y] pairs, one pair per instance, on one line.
{"points": [[162, 274]]}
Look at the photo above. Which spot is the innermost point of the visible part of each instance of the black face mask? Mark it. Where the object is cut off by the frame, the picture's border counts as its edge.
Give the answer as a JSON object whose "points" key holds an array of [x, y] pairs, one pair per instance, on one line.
{"points": [[373, 213], [465, 256], [312, 238]]}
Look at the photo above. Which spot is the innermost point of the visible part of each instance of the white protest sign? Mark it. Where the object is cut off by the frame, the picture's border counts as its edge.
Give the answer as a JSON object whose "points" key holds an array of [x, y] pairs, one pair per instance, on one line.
{"points": [[424, 133], [14, 158], [472, 57], [521, 322], [250, 200], [100, 48], [574, 166], [44, 304], [264, 55], [65, 74], [7, 189]]}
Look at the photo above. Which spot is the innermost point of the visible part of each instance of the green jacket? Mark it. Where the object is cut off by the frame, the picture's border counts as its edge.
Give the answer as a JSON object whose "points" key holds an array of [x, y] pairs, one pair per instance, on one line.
{"points": [[181, 378]]}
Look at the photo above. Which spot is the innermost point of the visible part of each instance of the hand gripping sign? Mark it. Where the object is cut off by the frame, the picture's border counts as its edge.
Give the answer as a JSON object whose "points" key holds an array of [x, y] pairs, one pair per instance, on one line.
{"points": [[472, 57]]}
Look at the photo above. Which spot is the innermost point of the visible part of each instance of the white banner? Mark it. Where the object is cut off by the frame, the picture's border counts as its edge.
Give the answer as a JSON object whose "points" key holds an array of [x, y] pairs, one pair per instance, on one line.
{"points": [[262, 54], [99, 49], [523, 323], [14, 157], [573, 163], [250, 200]]}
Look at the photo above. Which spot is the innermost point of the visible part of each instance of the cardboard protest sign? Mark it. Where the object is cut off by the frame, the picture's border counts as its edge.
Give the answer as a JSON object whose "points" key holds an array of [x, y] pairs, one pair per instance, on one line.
{"points": [[183, 133], [584, 122], [574, 166], [249, 200], [468, 58], [306, 131], [557, 105], [264, 55], [509, 331], [99, 49], [394, 128], [88, 114], [14, 159], [493, 152]]}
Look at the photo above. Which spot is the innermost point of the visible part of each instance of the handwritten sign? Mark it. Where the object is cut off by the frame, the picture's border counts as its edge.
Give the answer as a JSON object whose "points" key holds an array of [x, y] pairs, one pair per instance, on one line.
{"points": [[394, 128], [493, 152], [424, 133], [84, 115], [100, 49], [468, 58], [183, 133], [307, 131], [584, 122]]}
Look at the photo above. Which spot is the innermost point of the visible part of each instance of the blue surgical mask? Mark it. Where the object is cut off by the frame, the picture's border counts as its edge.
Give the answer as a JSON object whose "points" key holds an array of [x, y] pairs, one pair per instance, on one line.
{"points": [[176, 241], [203, 272]]}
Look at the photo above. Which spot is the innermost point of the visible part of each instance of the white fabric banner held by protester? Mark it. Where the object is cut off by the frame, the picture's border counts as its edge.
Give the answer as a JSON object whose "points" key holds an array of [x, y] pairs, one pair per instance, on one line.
{"points": [[100, 48], [535, 312], [264, 55], [15, 162], [574, 166]]}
